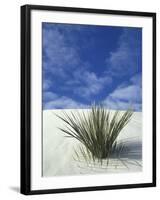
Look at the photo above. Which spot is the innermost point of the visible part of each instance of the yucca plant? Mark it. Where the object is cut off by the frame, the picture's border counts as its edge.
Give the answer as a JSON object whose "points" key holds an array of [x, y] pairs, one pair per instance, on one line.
{"points": [[97, 130]]}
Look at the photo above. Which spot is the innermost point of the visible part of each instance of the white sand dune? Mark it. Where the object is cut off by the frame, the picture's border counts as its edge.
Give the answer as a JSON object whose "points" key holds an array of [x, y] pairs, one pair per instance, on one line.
{"points": [[58, 150]]}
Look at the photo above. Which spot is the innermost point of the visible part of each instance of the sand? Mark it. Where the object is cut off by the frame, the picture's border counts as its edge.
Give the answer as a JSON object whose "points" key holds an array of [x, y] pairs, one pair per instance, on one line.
{"points": [[58, 151]]}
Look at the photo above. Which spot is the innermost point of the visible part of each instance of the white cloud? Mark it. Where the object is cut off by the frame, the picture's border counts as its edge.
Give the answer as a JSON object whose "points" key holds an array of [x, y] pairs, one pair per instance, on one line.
{"points": [[126, 95], [49, 96], [46, 84], [53, 101], [130, 93], [57, 54], [63, 61], [125, 59], [121, 104], [63, 103], [137, 79], [91, 84]]}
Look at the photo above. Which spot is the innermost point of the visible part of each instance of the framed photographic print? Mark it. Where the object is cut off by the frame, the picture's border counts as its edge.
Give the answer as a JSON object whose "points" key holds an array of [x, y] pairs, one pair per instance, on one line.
{"points": [[88, 99]]}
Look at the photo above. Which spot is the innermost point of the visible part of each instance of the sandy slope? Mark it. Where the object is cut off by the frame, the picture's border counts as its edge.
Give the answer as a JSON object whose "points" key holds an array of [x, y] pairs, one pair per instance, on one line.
{"points": [[58, 150]]}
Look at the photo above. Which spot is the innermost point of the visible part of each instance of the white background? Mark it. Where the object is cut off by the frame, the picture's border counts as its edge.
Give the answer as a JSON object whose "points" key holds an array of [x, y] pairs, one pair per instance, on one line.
{"points": [[10, 99]]}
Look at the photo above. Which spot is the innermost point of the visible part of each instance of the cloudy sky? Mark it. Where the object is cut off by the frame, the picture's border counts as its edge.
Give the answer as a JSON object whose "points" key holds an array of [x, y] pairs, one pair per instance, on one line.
{"points": [[83, 64]]}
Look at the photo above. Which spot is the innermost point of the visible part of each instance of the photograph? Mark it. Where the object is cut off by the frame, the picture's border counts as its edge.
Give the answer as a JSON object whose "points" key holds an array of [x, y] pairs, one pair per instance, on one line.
{"points": [[92, 99], [88, 99]]}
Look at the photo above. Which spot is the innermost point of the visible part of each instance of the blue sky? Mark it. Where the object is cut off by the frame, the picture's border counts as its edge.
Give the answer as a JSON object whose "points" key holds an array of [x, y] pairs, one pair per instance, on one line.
{"points": [[83, 64]]}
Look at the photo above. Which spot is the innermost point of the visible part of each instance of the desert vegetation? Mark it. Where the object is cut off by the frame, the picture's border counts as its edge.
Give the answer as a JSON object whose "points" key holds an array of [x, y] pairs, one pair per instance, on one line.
{"points": [[97, 130]]}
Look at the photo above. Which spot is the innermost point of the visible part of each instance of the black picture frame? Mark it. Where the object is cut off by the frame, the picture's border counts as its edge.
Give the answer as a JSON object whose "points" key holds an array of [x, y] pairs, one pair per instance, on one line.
{"points": [[25, 182]]}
